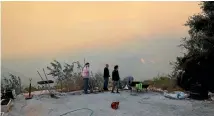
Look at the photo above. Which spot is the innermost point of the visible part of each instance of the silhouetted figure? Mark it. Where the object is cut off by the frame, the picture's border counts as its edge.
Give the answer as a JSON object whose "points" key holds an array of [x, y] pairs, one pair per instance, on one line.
{"points": [[128, 81], [115, 79], [85, 74], [106, 77]]}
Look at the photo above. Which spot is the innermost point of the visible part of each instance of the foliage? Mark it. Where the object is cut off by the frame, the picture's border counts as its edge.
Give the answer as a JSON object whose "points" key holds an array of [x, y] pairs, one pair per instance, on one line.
{"points": [[11, 82], [195, 66], [64, 74], [96, 80], [163, 82], [57, 70], [69, 79]]}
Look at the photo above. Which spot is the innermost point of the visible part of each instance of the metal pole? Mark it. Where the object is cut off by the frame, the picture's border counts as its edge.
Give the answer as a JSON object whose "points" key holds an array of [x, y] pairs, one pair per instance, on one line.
{"points": [[30, 87], [47, 80]]}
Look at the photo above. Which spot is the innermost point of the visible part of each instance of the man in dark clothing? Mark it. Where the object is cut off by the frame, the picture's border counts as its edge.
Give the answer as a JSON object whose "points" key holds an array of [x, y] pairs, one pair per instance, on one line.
{"points": [[115, 78], [106, 78]]}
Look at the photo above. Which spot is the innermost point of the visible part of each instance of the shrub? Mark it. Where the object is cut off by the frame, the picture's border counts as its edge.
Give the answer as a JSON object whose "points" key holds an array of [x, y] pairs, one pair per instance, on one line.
{"points": [[164, 82], [11, 82]]}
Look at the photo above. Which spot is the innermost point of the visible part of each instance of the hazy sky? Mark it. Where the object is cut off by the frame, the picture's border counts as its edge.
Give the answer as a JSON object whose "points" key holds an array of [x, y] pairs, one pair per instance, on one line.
{"points": [[141, 37]]}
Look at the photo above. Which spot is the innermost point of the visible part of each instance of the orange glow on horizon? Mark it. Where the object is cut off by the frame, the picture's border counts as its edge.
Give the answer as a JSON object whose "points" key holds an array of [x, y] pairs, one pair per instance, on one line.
{"points": [[33, 29]]}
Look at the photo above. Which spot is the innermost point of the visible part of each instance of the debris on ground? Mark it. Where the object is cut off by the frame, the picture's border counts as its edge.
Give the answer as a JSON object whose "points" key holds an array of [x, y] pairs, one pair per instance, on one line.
{"points": [[115, 105], [149, 103], [176, 95], [154, 89]]}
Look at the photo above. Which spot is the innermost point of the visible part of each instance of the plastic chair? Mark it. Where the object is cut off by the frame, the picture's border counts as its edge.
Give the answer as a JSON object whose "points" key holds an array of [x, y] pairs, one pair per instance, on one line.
{"points": [[139, 86]]}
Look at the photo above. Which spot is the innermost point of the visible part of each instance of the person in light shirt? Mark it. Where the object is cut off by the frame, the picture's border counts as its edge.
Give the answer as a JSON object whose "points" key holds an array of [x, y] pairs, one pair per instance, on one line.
{"points": [[85, 75]]}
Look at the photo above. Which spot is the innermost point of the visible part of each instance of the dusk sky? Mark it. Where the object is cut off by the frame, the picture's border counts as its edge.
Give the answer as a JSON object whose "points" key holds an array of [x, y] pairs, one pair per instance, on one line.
{"points": [[141, 37]]}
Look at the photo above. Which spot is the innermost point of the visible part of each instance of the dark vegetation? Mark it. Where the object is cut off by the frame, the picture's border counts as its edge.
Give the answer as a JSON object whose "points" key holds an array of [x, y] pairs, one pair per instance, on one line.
{"points": [[5, 102], [194, 70], [11, 82]]}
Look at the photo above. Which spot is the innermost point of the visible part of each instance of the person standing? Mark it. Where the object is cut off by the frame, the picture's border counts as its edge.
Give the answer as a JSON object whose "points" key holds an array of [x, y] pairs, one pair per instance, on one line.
{"points": [[115, 79], [85, 74], [106, 77]]}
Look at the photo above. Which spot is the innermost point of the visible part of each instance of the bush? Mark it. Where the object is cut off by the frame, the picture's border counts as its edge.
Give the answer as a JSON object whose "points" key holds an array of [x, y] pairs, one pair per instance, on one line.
{"points": [[11, 82], [76, 83], [96, 81], [67, 79], [164, 82]]}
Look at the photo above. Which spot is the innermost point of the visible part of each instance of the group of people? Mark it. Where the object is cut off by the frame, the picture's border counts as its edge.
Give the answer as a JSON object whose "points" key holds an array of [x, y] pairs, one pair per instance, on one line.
{"points": [[106, 75], [115, 78]]}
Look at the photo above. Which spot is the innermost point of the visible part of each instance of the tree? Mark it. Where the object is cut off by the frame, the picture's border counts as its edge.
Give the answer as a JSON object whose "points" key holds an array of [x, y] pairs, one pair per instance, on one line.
{"points": [[195, 66], [64, 74]]}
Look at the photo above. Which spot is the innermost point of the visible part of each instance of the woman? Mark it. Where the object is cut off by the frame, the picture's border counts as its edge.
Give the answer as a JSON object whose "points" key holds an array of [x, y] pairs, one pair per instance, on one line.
{"points": [[85, 74]]}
